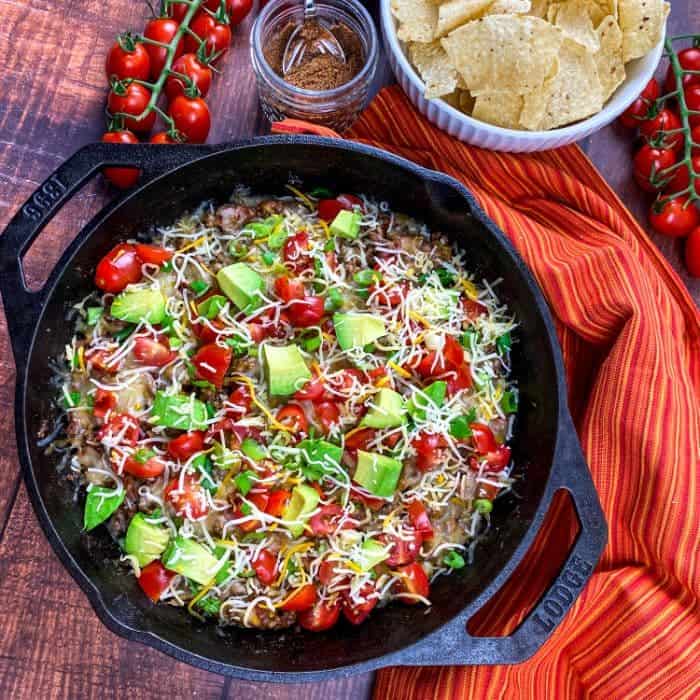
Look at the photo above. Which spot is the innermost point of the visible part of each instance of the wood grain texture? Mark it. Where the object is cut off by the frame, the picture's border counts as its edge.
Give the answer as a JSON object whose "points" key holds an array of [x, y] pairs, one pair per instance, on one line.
{"points": [[52, 91]]}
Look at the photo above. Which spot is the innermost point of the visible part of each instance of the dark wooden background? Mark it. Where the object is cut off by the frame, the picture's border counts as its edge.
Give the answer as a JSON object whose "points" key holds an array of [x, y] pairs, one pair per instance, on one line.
{"points": [[52, 90]]}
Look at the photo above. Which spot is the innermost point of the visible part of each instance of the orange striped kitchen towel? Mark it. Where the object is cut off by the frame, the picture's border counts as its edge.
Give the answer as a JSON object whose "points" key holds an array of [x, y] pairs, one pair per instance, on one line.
{"points": [[630, 335]]}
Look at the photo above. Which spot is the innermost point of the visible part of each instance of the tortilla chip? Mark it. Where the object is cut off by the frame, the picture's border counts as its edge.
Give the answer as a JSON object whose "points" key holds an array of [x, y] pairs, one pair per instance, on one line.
{"points": [[499, 108], [608, 59], [509, 53], [539, 8], [600, 9], [573, 19], [434, 67], [642, 23], [417, 19], [454, 13], [574, 93], [461, 100], [509, 7]]}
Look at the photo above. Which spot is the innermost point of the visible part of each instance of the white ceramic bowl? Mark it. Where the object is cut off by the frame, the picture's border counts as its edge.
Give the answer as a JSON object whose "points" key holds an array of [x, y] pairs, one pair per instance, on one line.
{"points": [[496, 138]]}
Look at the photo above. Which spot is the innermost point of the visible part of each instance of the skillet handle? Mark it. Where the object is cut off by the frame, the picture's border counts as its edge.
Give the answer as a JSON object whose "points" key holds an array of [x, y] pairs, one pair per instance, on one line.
{"points": [[22, 306], [453, 645]]}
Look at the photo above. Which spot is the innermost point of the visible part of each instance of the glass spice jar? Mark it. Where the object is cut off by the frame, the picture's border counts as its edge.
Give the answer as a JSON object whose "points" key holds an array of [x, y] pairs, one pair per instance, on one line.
{"points": [[336, 108]]}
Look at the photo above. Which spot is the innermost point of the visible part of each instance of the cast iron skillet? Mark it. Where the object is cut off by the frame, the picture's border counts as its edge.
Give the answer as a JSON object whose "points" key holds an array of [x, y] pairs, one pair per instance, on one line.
{"points": [[179, 178]]}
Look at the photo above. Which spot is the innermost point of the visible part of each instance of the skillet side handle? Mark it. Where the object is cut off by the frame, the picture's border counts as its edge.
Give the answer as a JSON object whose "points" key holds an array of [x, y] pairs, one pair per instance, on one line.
{"points": [[453, 645]]}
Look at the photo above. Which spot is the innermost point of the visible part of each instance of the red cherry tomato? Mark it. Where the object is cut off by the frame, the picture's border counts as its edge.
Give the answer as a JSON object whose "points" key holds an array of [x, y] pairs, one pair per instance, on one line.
{"points": [[403, 550], [327, 519], [153, 254], [177, 10], [123, 178], [287, 288], [191, 117], [265, 566], [328, 209], [155, 579], [499, 458], [677, 217], [277, 502], [328, 415], [681, 180], [656, 129], [302, 599], [638, 110], [212, 362], [313, 390], [188, 502], [322, 616], [459, 379], [122, 63], [327, 571], [420, 519], [133, 101], [431, 365], [295, 252], [483, 438], [392, 295], [356, 613], [689, 59], [293, 416], [104, 401], [357, 493], [692, 102], [149, 469], [151, 353], [163, 30], [188, 64], [212, 30], [692, 252], [413, 581], [649, 164], [162, 137], [204, 331], [100, 360], [260, 500], [306, 312], [121, 428], [242, 400], [360, 439], [120, 267], [238, 10], [453, 352], [184, 446], [427, 447]]}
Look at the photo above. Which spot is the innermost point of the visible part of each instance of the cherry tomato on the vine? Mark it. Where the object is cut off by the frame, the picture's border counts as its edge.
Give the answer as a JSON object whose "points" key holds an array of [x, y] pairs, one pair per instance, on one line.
{"points": [[191, 118], [163, 30], [689, 59], [238, 10], [638, 110], [649, 164], [123, 178], [199, 73], [676, 218], [692, 252], [681, 178], [657, 128], [692, 102], [128, 59], [162, 137], [131, 99], [210, 29]]}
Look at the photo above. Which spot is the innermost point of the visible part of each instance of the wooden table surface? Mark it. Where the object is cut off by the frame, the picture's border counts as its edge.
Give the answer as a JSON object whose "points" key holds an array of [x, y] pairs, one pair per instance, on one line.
{"points": [[52, 91]]}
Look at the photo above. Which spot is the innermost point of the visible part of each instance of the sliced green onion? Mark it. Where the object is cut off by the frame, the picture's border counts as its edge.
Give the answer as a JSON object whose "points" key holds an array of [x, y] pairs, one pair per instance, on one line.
{"points": [[167, 266], [454, 560], [237, 250], [199, 287], [211, 307], [246, 509], [321, 193], [94, 313], [71, 400], [311, 340], [329, 246], [253, 449], [503, 342], [277, 238], [509, 402], [143, 455], [334, 300], [483, 505], [468, 339], [269, 257], [366, 277], [175, 342], [124, 333]]}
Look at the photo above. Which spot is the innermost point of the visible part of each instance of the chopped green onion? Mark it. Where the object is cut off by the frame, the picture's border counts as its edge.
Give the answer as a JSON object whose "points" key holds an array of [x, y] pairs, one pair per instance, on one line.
{"points": [[124, 333], [71, 400], [468, 339], [246, 509], [205, 466], [268, 257], [447, 278], [143, 455], [503, 342], [311, 340], [321, 193], [211, 411], [94, 313], [459, 427], [260, 229], [244, 481], [365, 278], [240, 345], [211, 307], [329, 246], [454, 560], [277, 238], [334, 300], [199, 287], [167, 266], [253, 449], [203, 384], [483, 505], [209, 605], [175, 342], [509, 402], [237, 250]]}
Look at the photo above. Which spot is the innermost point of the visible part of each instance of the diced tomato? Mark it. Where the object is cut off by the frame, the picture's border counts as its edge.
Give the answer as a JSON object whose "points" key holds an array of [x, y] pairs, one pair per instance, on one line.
{"points": [[403, 550], [459, 379], [99, 360], [306, 312], [313, 390], [119, 268], [265, 566], [360, 439], [327, 571], [483, 438], [357, 493], [488, 491], [356, 613], [328, 415], [277, 501], [184, 446], [420, 519], [473, 309], [453, 352], [328, 209], [121, 424], [151, 468], [391, 439], [205, 333], [155, 579], [413, 581], [322, 616], [326, 520], [287, 289], [153, 254], [190, 502], [152, 353], [242, 401], [389, 295], [499, 458], [427, 447], [104, 401], [261, 501], [302, 599], [377, 373], [257, 331], [295, 252], [345, 382], [431, 365], [212, 362], [292, 415]]}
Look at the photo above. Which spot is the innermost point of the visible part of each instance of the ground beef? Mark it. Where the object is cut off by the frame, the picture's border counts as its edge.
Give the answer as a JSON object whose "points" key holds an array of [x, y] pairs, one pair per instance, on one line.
{"points": [[118, 523], [269, 207], [231, 217]]}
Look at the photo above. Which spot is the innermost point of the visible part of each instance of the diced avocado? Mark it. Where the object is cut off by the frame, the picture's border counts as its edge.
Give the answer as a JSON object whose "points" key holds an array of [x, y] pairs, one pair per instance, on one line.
{"points": [[179, 411], [435, 393], [101, 502], [346, 224], [190, 559], [388, 411], [371, 553], [377, 473], [320, 456], [145, 540], [285, 368], [357, 330], [139, 305], [242, 285], [304, 499]]}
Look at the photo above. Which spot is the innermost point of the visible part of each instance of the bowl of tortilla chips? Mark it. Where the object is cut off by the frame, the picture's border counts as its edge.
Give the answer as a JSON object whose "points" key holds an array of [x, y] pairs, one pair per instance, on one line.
{"points": [[523, 75]]}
